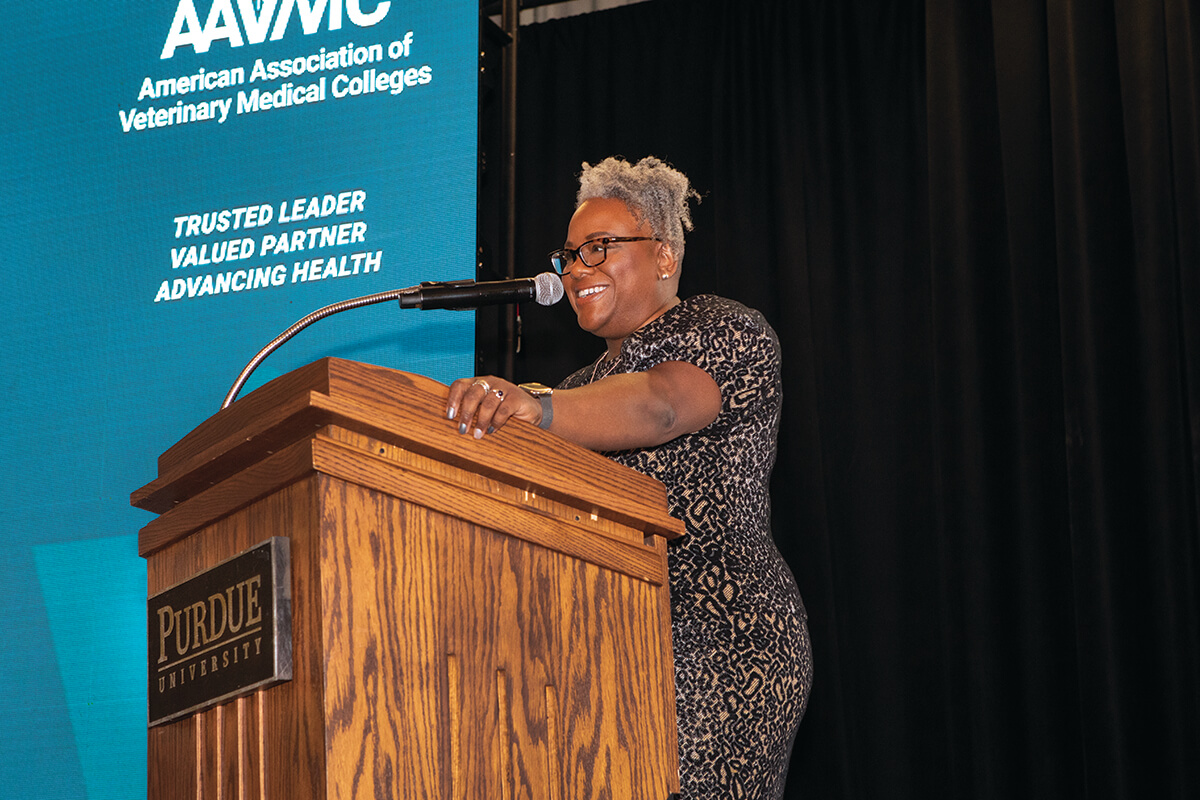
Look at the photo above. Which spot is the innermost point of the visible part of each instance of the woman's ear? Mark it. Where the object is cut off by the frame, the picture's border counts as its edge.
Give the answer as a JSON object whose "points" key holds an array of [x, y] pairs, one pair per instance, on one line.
{"points": [[668, 265]]}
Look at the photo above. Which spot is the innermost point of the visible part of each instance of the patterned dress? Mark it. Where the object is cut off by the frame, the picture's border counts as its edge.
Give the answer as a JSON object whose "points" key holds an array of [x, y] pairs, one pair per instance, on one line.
{"points": [[743, 665]]}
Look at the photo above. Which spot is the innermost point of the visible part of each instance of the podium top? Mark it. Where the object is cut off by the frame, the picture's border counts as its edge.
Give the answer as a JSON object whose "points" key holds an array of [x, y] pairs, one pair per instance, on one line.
{"points": [[405, 410]]}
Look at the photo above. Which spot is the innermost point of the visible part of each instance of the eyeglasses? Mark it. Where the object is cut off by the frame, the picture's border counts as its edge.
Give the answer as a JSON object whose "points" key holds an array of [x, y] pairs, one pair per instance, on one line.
{"points": [[592, 252]]}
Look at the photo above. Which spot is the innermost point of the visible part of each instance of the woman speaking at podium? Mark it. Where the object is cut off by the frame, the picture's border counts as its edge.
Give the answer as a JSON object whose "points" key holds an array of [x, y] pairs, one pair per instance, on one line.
{"points": [[687, 392]]}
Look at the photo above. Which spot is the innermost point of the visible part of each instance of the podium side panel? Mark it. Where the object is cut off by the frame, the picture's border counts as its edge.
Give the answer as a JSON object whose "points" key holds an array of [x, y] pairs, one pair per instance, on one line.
{"points": [[269, 745]]}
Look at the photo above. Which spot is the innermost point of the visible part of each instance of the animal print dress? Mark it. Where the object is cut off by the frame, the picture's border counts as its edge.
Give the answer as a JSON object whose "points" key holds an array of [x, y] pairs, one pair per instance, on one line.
{"points": [[743, 665]]}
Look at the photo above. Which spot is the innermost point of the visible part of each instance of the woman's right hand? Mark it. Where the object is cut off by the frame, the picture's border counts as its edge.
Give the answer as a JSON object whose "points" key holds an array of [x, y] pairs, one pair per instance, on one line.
{"points": [[483, 404]]}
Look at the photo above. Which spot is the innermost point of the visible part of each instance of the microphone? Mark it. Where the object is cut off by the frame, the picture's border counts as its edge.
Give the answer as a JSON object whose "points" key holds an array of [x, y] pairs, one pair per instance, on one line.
{"points": [[546, 289]]}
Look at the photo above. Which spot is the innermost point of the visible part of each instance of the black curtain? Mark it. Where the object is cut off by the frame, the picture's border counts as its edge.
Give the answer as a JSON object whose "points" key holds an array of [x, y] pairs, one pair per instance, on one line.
{"points": [[976, 228]]}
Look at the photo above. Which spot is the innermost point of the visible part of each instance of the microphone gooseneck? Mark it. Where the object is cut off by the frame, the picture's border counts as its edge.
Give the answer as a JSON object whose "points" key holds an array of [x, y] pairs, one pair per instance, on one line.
{"points": [[298, 326]]}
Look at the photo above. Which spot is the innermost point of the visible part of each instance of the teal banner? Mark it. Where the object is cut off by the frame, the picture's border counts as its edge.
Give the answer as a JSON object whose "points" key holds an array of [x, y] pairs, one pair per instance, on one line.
{"points": [[182, 180]]}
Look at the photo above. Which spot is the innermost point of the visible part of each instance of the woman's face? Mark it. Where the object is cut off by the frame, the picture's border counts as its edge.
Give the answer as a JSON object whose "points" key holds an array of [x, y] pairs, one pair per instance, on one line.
{"points": [[624, 292]]}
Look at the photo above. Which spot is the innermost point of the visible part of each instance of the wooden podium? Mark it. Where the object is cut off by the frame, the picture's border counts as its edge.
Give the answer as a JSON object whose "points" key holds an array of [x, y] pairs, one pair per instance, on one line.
{"points": [[470, 618]]}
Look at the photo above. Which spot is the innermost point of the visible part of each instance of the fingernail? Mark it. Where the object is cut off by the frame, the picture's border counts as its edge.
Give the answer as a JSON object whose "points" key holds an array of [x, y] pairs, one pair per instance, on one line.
{"points": [[450, 412], [491, 429], [478, 433], [462, 427]]}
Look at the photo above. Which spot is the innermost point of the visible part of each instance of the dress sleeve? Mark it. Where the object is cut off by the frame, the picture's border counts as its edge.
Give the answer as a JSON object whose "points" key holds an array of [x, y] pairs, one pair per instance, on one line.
{"points": [[736, 347]]}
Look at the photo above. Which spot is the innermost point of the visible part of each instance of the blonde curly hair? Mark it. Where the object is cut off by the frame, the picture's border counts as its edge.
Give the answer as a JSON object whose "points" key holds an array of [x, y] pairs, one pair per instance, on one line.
{"points": [[655, 193]]}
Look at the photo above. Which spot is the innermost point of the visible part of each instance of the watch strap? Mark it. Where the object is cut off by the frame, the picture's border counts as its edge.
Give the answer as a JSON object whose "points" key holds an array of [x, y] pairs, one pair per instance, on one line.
{"points": [[547, 401]]}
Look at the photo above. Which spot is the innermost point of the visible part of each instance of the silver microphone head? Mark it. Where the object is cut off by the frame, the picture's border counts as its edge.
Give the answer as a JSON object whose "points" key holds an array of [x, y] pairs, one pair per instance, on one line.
{"points": [[549, 289]]}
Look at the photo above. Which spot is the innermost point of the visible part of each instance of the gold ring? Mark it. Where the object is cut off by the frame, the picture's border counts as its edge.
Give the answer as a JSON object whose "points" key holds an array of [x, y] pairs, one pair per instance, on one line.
{"points": [[487, 387]]}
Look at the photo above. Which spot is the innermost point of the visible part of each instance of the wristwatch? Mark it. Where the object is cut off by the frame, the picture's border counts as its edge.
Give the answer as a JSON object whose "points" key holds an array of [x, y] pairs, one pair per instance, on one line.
{"points": [[543, 393]]}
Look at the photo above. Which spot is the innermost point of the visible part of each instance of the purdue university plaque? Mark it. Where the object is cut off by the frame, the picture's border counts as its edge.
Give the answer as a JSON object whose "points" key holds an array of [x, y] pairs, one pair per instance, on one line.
{"points": [[222, 633]]}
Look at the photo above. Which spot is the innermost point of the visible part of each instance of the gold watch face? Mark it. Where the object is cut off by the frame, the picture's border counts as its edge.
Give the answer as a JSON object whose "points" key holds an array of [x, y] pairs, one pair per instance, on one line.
{"points": [[537, 389]]}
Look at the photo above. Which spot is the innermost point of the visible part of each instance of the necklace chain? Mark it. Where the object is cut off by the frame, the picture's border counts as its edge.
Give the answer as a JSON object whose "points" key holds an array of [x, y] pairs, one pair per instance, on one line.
{"points": [[608, 371]]}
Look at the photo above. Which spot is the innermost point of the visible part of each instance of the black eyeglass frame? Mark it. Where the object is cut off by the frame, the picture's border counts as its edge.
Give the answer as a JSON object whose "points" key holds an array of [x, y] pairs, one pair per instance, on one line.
{"points": [[574, 253]]}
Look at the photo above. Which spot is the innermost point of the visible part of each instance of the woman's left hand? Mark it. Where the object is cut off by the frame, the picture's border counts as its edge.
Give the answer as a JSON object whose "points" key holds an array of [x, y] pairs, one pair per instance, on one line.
{"points": [[483, 404]]}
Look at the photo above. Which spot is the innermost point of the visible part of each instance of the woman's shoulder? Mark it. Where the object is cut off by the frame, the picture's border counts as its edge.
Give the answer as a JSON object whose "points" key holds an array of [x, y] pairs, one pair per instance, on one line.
{"points": [[711, 331], [710, 311]]}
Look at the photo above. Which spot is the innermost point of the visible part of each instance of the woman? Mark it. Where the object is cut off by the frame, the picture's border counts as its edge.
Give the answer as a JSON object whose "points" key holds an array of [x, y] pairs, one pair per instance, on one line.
{"points": [[689, 393]]}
